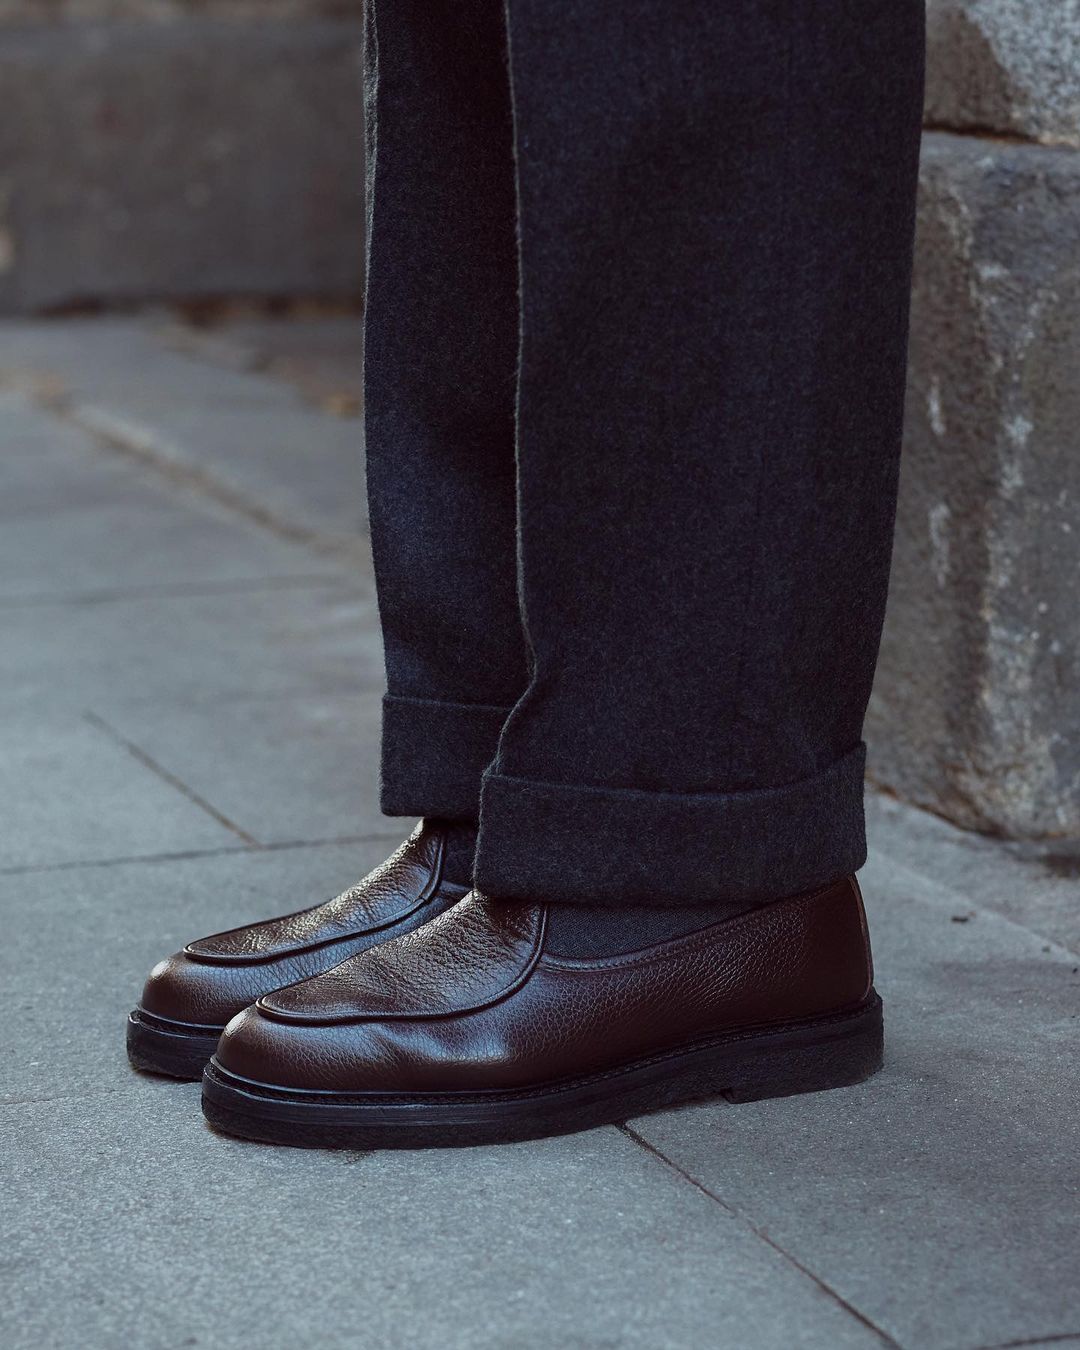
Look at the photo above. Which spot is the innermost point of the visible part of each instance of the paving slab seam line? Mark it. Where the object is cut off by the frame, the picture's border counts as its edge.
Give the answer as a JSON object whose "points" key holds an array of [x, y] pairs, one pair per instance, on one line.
{"points": [[138, 442], [62, 1097], [119, 436], [137, 753], [759, 1232], [77, 864], [186, 855], [1031, 1344], [356, 685], [184, 590]]}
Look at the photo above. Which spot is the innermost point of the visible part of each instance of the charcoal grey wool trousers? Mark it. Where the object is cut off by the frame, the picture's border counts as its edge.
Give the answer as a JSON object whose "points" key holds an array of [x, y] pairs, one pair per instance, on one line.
{"points": [[636, 335]]}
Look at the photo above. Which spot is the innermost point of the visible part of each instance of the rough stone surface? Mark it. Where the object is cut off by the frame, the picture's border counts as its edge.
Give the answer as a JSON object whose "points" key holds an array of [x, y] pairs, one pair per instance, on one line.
{"points": [[976, 709], [137, 1226], [1005, 67], [197, 156]]}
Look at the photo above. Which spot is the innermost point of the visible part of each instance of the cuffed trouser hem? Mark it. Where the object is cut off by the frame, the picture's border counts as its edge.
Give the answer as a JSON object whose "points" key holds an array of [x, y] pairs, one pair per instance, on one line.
{"points": [[434, 756], [585, 845]]}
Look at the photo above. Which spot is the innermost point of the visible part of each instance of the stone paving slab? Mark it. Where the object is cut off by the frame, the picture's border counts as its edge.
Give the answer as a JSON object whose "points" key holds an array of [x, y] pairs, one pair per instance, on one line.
{"points": [[71, 793], [1050, 1343], [941, 1198], [45, 467], [137, 1226], [80, 941], [284, 769], [319, 354], [255, 437], [196, 648], [78, 522], [1038, 887]]}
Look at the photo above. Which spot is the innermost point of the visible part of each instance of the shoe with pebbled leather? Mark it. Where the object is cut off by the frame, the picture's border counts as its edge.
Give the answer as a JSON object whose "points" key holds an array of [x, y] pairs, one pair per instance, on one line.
{"points": [[470, 1030], [189, 997]]}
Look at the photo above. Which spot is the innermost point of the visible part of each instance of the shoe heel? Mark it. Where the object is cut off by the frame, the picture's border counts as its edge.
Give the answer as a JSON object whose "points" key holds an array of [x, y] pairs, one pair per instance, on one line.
{"points": [[840, 1053]]}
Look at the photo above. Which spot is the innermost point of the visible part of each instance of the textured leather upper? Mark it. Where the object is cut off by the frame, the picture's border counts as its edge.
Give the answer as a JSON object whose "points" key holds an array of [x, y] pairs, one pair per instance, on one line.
{"points": [[214, 977], [470, 957], [473, 1002], [384, 897]]}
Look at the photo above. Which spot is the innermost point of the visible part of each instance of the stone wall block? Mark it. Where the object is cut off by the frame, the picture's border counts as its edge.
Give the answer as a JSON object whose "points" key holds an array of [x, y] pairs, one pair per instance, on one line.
{"points": [[1005, 67], [976, 710], [189, 158]]}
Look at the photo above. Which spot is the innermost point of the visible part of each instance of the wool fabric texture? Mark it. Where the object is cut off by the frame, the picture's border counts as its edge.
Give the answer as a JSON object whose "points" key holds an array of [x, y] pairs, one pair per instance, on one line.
{"points": [[636, 336]]}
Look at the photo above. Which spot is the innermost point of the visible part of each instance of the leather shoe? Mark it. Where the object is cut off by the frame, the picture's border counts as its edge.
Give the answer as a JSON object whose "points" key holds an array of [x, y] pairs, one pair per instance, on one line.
{"points": [[190, 996], [469, 1030]]}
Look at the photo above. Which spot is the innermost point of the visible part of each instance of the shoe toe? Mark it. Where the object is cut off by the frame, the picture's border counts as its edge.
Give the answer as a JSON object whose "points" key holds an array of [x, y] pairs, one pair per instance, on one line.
{"points": [[277, 1054], [182, 990], [297, 1057]]}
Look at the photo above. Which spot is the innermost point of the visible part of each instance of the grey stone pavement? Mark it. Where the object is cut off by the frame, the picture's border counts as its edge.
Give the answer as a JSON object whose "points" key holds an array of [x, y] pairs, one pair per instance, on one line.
{"points": [[189, 686]]}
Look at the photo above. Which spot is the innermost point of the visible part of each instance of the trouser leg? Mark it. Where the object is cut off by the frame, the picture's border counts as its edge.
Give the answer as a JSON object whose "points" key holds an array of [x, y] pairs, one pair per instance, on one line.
{"points": [[716, 219], [441, 353]]}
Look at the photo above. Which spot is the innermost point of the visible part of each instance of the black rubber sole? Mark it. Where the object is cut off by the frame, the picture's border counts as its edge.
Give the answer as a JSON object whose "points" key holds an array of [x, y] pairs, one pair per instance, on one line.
{"points": [[175, 1049], [812, 1056]]}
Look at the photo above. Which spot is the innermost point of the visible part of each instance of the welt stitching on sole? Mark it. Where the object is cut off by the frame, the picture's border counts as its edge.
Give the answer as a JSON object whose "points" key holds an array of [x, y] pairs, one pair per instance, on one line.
{"points": [[221, 1077]]}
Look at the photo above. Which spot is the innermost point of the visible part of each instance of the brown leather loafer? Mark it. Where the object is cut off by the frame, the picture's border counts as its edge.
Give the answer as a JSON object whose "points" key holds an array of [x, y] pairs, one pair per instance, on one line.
{"points": [[190, 996], [468, 1031]]}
